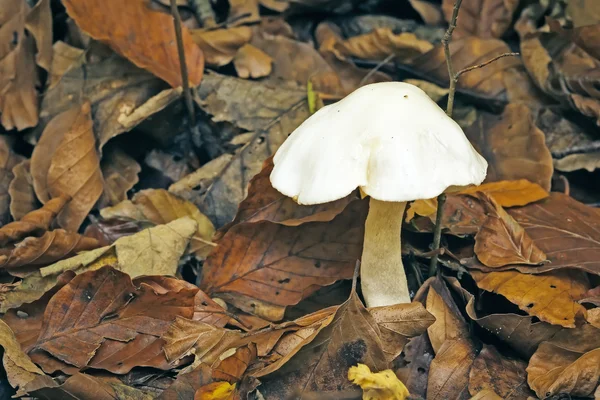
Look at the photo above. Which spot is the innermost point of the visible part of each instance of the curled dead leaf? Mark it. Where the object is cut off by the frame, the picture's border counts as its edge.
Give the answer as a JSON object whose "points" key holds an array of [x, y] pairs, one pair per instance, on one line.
{"points": [[22, 195], [251, 62], [8, 160], [221, 45]]}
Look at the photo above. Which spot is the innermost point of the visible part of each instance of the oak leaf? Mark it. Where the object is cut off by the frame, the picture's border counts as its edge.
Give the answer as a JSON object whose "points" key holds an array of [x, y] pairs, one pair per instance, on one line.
{"points": [[33, 223], [22, 195], [567, 363], [101, 320], [65, 162], [284, 264], [144, 36], [552, 297], [502, 241]]}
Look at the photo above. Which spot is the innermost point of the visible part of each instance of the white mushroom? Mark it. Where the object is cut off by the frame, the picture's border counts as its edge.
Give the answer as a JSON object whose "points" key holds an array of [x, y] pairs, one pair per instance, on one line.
{"points": [[395, 144]]}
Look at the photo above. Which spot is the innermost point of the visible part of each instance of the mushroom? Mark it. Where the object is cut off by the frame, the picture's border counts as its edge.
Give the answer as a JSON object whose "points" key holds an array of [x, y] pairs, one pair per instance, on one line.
{"points": [[395, 144]]}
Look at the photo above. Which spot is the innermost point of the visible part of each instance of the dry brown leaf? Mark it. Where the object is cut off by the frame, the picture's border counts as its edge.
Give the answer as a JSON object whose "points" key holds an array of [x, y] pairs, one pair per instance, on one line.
{"points": [[18, 75], [263, 267], [120, 173], [512, 145], [121, 94], [449, 370], [65, 162], [504, 376], [322, 364], [64, 59], [252, 62], [264, 203], [243, 11], [415, 360], [448, 325], [34, 252], [483, 18], [552, 297], [486, 395], [22, 195], [381, 43], [107, 231], [101, 320], [144, 36], [431, 13], [567, 364], [39, 23], [221, 45], [8, 160], [161, 207], [270, 112], [20, 370], [502, 241], [34, 223]]}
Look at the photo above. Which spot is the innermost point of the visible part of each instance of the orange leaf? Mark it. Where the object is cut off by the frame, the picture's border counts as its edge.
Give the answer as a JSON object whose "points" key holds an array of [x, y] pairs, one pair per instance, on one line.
{"points": [[483, 18], [510, 193], [145, 37], [502, 241]]}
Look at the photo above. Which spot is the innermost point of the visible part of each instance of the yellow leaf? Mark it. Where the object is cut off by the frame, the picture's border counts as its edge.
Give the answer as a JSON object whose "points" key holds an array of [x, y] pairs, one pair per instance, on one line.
{"points": [[215, 391], [382, 385]]}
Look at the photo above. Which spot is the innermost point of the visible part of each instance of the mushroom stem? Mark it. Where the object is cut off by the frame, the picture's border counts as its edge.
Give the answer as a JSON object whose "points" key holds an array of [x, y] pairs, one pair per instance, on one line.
{"points": [[383, 280]]}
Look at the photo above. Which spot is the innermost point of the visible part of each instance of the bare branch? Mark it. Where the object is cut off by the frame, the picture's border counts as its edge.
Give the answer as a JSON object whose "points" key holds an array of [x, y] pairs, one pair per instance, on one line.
{"points": [[483, 64]]}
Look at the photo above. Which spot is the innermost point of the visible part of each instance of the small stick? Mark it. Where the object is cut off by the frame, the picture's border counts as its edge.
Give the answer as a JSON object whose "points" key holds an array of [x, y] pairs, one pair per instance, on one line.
{"points": [[437, 234], [375, 69], [446, 43], [483, 64], [184, 72]]}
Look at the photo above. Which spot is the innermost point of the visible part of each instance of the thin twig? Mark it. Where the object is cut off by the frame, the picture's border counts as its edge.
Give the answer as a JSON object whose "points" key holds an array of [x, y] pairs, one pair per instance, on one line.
{"points": [[375, 69], [446, 43], [184, 72], [483, 64], [437, 234]]}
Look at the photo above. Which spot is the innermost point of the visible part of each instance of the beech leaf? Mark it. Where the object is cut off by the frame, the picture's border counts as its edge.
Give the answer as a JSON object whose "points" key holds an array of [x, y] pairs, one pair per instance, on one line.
{"points": [[22, 195]]}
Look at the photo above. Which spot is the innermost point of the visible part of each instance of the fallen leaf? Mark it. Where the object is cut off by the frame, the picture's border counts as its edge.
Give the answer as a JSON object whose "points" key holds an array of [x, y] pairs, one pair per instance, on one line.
{"points": [[144, 36], [34, 223], [270, 112], [382, 385], [449, 370], [186, 385], [107, 231], [243, 11], [120, 172], [252, 62], [504, 376], [263, 267], [512, 145], [449, 325], [483, 18], [381, 43], [486, 395], [8, 160], [20, 190], [82, 386], [502, 241], [414, 362], [264, 203], [20, 370], [216, 391], [18, 77], [430, 13], [39, 23], [65, 162], [64, 58], [321, 365], [117, 90], [161, 207], [33, 252], [567, 364], [552, 297], [220, 46], [109, 323]]}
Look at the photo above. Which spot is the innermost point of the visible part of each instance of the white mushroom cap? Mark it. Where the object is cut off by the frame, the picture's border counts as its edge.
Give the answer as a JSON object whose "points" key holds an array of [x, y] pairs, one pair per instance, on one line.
{"points": [[390, 139]]}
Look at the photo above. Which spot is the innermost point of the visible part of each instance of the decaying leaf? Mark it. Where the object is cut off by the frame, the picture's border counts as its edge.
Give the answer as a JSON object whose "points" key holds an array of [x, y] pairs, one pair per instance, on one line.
{"points": [[221, 45], [264, 203], [50, 247], [22, 195], [145, 37], [567, 363], [263, 267], [120, 173], [8, 160], [512, 145], [448, 325], [552, 297], [504, 376], [107, 231], [483, 18], [101, 320], [252, 62], [449, 370], [502, 241], [161, 207], [65, 162], [64, 59], [34, 223], [381, 43], [378, 385], [20, 370]]}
